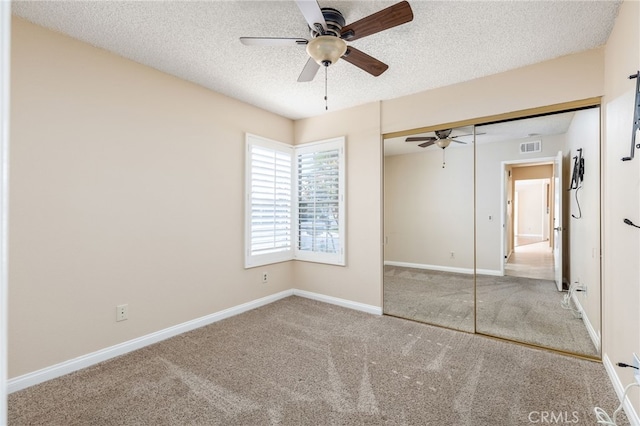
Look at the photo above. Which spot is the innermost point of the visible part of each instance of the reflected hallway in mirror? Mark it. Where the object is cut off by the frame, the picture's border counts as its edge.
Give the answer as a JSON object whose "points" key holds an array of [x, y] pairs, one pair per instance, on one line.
{"points": [[535, 260]]}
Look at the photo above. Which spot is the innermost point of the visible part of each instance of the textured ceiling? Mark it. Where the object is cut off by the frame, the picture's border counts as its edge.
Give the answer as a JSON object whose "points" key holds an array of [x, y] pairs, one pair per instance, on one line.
{"points": [[447, 42]]}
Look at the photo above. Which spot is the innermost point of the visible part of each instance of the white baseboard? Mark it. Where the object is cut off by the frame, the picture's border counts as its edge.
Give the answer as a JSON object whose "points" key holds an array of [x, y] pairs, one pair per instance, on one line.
{"points": [[492, 272], [442, 268], [595, 336], [631, 413], [75, 364], [370, 309], [30, 379], [429, 267]]}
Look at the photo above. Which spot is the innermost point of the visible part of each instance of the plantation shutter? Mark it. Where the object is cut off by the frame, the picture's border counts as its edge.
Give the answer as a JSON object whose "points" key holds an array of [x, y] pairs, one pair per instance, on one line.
{"points": [[320, 207], [269, 221]]}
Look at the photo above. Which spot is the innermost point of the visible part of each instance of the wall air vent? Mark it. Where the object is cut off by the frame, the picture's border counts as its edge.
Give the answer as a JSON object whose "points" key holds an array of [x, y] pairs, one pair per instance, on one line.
{"points": [[531, 146]]}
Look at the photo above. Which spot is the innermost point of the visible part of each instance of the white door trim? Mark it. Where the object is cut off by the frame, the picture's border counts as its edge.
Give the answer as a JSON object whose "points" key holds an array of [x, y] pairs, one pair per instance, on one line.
{"points": [[5, 44], [558, 224]]}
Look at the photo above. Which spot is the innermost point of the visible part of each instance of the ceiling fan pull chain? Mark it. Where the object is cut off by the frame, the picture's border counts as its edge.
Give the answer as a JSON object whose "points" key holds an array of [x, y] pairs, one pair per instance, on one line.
{"points": [[443, 158], [326, 104]]}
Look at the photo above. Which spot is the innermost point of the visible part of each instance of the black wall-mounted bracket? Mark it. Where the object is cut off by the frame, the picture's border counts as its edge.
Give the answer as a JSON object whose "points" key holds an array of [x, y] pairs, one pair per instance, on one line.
{"points": [[636, 118]]}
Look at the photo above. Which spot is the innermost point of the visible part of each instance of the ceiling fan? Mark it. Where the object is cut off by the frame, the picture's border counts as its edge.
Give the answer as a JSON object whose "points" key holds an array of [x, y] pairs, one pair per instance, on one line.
{"points": [[329, 35], [442, 139]]}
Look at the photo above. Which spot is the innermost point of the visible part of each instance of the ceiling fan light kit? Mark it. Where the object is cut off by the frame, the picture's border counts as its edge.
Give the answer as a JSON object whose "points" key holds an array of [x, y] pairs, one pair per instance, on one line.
{"points": [[443, 143], [326, 49]]}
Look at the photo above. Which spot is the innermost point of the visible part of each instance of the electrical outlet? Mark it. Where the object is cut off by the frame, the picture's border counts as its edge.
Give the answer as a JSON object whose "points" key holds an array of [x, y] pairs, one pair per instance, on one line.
{"points": [[265, 278], [636, 364], [122, 312]]}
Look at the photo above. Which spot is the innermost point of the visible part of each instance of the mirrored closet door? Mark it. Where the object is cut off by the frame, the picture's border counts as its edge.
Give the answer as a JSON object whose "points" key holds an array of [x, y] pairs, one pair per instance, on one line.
{"points": [[538, 231], [495, 229], [428, 228]]}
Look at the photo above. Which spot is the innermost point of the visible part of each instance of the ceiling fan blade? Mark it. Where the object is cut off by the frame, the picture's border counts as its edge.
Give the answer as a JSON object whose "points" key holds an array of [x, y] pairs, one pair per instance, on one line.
{"points": [[468, 134], [309, 71], [312, 14], [453, 140], [273, 41], [364, 62], [398, 14], [420, 139], [426, 144]]}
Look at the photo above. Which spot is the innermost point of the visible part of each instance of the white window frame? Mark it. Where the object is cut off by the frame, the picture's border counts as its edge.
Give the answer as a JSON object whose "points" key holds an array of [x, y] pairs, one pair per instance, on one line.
{"points": [[337, 258], [295, 253]]}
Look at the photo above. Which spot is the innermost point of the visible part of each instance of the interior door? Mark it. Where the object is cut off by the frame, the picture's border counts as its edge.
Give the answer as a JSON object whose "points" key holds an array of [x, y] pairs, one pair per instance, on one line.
{"points": [[557, 220]]}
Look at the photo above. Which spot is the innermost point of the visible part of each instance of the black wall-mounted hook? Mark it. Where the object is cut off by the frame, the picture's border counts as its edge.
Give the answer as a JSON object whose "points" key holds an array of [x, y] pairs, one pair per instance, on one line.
{"points": [[636, 118]]}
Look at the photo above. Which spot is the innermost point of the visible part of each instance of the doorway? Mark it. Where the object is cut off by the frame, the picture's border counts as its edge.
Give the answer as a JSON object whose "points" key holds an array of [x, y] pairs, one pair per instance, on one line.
{"points": [[528, 204]]}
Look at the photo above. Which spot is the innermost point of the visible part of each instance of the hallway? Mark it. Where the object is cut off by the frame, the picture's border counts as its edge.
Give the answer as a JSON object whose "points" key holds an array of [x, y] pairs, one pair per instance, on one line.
{"points": [[531, 261]]}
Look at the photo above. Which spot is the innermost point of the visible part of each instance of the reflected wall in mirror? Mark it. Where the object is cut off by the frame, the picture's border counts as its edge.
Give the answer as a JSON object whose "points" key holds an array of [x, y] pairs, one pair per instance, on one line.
{"points": [[538, 231], [428, 228]]}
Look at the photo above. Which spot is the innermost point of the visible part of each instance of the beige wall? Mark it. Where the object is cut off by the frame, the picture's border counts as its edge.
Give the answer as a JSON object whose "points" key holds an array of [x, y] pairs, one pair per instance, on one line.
{"points": [[428, 209], [621, 285], [126, 187], [584, 233], [361, 279], [568, 78], [531, 206], [544, 171]]}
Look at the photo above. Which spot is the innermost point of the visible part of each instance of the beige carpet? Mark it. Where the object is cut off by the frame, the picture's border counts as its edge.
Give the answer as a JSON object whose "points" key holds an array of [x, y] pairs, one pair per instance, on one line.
{"points": [[434, 297], [527, 310], [302, 362]]}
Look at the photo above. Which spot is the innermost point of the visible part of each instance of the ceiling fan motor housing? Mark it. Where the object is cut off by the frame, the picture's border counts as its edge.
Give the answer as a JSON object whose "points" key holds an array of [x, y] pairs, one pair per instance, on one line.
{"points": [[335, 21], [443, 134]]}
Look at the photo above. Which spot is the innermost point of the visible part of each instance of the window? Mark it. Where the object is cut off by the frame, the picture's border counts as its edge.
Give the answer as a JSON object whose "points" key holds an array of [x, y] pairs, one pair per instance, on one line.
{"points": [[295, 202], [320, 208], [268, 210]]}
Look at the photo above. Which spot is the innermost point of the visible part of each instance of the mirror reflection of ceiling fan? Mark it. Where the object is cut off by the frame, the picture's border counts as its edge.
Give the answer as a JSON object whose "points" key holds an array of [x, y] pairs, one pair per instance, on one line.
{"points": [[329, 36], [442, 139]]}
